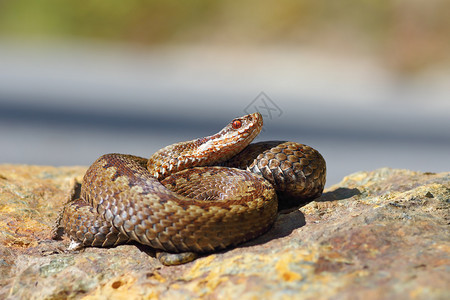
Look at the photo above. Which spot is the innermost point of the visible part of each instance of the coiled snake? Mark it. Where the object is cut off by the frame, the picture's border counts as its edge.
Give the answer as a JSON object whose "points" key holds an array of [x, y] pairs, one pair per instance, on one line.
{"points": [[194, 197]]}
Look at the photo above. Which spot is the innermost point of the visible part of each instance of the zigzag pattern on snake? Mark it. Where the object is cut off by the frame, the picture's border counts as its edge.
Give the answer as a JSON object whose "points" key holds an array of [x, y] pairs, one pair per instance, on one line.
{"points": [[197, 196]]}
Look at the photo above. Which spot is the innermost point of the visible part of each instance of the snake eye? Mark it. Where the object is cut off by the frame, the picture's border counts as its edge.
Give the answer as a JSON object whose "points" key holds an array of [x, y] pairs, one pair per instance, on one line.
{"points": [[236, 124]]}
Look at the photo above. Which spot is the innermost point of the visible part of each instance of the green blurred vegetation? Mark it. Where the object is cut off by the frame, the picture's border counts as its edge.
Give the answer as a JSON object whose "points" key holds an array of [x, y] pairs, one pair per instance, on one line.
{"points": [[409, 34]]}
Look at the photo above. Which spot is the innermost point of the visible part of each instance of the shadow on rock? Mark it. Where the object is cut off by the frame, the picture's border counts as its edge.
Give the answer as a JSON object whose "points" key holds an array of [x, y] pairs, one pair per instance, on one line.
{"points": [[290, 219], [284, 225], [338, 194]]}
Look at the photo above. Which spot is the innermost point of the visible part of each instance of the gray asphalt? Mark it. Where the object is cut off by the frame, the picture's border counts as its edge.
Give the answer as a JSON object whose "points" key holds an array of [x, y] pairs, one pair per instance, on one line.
{"points": [[68, 104]]}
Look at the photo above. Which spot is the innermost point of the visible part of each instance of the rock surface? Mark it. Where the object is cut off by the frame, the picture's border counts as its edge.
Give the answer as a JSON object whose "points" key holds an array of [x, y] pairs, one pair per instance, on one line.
{"points": [[376, 235]]}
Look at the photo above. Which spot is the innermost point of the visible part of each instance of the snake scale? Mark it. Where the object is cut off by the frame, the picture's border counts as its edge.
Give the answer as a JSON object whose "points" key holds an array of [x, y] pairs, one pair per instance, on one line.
{"points": [[194, 197]]}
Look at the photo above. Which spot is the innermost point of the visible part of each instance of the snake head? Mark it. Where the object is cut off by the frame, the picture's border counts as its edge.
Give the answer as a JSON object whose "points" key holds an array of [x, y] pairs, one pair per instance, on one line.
{"points": [[241, 130], [206, 151], [232, 139]]}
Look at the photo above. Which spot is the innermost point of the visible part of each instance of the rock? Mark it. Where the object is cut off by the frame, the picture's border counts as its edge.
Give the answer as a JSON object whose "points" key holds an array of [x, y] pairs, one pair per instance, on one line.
{"points": [[376, 235]]}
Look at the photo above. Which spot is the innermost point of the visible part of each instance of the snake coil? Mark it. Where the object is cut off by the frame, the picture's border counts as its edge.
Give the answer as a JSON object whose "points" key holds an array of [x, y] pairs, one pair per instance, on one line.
{"points": [[197, 196]]}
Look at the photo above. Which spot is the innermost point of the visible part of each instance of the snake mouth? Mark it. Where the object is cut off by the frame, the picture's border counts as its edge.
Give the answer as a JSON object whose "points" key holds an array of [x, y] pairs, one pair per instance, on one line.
{"points": [[255, 125], [234, 137], [257, 119], [239, 131]]}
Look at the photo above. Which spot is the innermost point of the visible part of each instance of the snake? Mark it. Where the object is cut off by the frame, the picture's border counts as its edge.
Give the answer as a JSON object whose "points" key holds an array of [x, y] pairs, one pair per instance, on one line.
{"points": [[193, 197]]}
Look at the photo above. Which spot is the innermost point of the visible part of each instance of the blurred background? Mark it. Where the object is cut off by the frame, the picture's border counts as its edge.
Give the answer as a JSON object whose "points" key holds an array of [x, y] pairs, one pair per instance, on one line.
{"points": [[367, 83]]}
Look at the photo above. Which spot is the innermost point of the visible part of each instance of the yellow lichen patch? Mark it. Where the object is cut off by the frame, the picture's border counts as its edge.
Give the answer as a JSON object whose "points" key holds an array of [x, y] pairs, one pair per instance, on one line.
{"points": [[206, 275], [359, 176], [199, 266], [23, 233], [443, 247], [156, 277], [7, 209], [122, 287], [331, 255], [289, 266], [351, 276], [283, 269], [426, 191]]}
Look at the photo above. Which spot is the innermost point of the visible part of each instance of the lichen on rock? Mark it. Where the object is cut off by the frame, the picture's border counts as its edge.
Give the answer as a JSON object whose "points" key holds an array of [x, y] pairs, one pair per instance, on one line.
{"points": [[376, 235]]}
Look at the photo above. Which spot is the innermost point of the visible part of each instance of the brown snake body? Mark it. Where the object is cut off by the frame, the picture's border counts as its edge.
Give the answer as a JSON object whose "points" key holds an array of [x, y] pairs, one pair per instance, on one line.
{"points": [[179, 200]]}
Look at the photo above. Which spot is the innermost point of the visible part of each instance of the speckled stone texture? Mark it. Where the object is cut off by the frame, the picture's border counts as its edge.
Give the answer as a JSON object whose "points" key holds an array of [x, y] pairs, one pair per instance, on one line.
{"points": [[376, 235]]}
